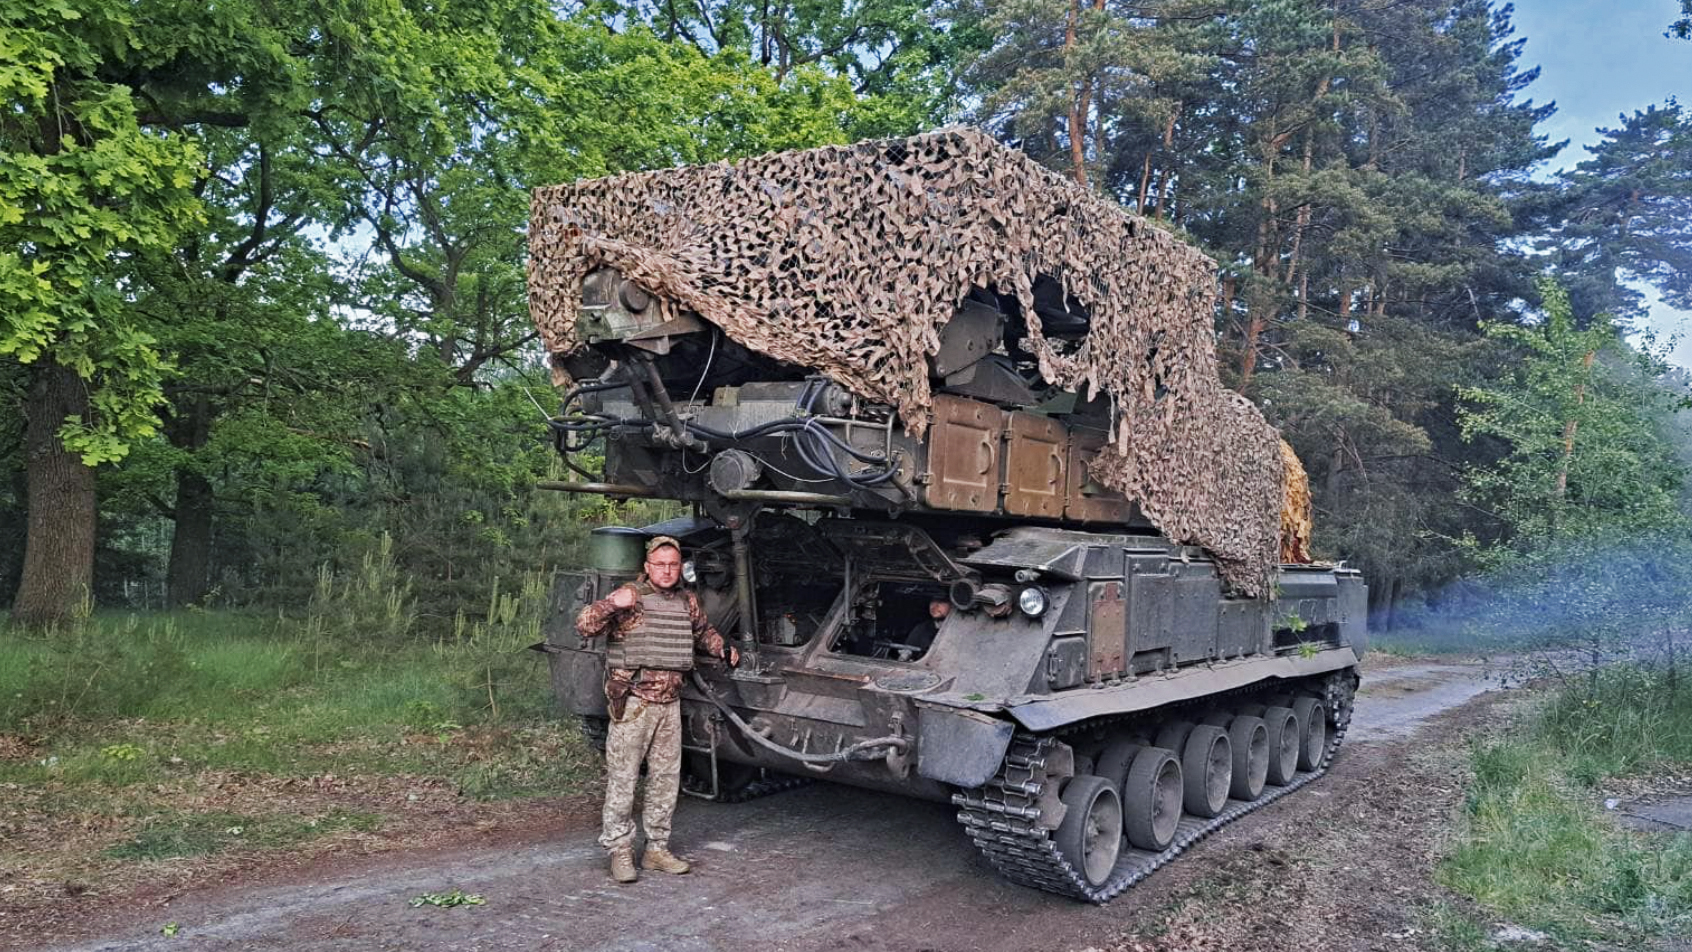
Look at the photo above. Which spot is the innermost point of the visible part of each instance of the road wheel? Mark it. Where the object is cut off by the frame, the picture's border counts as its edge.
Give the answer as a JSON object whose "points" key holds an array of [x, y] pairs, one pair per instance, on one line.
{"points": [[1313, 738], [1151, 805], [1218, 719], [1174, 735], [1250, 741], [1090, 836], [1282, 724], [1207, 764], [1115, 759], [1251, 710]]}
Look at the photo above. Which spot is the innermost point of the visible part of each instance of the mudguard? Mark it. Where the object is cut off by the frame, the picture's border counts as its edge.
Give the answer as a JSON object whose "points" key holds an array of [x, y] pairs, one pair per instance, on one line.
{"points": [[960, 747]]}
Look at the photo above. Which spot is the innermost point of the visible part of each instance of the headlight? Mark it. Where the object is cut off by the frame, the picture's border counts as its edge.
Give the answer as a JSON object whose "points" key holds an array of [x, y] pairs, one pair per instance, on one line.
{"points": [[690, 575], [1032, 601]]}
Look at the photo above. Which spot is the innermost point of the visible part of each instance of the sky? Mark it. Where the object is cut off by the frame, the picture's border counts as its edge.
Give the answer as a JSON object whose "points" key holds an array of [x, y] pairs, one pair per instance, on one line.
{"points": [[1598, 60]]}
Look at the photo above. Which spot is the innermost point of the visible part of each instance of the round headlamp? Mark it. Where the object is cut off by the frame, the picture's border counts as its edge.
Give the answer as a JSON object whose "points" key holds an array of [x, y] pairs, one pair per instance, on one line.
{"points": [[1032, 601], [690, 575]]}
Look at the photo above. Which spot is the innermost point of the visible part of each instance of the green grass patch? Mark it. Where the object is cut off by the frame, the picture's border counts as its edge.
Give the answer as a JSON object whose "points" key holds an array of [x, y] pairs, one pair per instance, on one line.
{"points": [[1535, 847], [125, 700], [1455, 931], [1416, 640], [236, 672], [1420, 642], [177, 835], [1623, 720], [130, 722], [113, 706]]}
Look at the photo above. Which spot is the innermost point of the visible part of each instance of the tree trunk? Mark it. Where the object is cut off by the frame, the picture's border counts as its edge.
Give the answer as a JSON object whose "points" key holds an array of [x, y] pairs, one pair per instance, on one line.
{"points": [[1167, 175], [1303, 225], [1383, 593], [188, 577], [1259, 296], [1560, 491], [1082, 104], [1077, 118], [1303, 212], [1145, 183], [58, 569]]}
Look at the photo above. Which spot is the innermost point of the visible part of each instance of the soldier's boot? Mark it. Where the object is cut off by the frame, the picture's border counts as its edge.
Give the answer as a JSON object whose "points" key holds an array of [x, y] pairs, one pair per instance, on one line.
{"points": [[664, 861], [623, 865]]}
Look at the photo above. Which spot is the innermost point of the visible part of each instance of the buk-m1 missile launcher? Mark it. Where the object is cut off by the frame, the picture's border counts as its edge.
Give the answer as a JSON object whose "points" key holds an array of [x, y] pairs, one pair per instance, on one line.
{"points": [[955, 470]]}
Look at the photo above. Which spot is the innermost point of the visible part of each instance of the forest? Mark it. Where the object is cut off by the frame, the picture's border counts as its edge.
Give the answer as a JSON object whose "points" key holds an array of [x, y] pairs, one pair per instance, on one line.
{"points": [[262, 272], [275, 415]]}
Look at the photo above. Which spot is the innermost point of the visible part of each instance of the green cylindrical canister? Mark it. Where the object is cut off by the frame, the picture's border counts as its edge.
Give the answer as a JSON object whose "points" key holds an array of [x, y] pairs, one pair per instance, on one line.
{"points": [[617, 549]]}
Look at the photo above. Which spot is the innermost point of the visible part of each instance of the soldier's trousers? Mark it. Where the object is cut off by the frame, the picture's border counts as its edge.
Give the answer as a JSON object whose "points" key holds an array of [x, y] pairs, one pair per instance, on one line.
{"points": [[649, 732]]}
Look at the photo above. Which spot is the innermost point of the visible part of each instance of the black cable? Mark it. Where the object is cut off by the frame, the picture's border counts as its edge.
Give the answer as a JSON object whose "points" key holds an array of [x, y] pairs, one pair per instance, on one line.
{"points": [[562, 427], [819, 458], [577, 391], [858, 751], [810, 438]]}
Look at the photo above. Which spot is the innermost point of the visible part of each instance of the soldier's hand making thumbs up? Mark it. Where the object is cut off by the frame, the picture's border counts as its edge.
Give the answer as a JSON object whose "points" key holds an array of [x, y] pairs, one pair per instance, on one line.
{"points": [[623, 598]]}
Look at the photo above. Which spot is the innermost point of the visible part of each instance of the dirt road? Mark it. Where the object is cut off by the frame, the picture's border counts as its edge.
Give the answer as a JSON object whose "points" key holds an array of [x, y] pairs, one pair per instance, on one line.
{"points": [[827, 867]]}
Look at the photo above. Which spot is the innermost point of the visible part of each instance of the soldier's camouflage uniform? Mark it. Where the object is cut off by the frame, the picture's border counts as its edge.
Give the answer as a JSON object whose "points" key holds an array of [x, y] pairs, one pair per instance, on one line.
{"points": [[645, 705]]}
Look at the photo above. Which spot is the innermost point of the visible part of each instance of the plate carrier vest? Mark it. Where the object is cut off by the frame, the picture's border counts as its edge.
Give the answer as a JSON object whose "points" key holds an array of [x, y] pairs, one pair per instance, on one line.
{"points": [[664, 638]]}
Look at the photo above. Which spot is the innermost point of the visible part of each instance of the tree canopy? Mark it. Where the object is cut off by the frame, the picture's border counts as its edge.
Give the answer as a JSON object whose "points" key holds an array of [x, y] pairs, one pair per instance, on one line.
{"points": [[263, 264]]}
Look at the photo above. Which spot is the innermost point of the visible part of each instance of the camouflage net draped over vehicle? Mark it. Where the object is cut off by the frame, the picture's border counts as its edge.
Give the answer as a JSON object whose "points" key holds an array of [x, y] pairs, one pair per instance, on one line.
{"points": [[850, 259], [1296, 509]]}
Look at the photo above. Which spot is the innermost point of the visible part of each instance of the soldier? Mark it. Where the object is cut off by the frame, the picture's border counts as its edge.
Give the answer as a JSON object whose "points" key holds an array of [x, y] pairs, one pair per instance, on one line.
{"points": [[921, 635], [653, 626]]}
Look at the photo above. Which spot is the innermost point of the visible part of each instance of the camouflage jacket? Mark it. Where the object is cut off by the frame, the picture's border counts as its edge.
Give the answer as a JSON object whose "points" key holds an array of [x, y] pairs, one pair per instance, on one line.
{"points": [[602, 619]]}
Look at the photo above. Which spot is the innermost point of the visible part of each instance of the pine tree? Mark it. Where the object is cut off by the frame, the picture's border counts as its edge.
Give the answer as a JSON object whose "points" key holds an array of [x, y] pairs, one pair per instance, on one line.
{"points": [[1625, 215]]}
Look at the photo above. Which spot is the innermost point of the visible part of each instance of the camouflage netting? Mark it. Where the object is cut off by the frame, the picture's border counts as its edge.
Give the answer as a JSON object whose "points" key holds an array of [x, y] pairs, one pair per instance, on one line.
{"points": [[1295, 509], [850, 259]]}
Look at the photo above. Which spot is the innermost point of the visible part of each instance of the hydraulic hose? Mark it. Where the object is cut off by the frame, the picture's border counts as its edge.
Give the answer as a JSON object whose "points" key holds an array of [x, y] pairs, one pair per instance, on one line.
{"points": [[839, 756]]}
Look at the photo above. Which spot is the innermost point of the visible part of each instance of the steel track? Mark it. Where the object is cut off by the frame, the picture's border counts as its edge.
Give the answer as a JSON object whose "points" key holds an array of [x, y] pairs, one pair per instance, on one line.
{"points": [[769, 784], [1003, 816]]}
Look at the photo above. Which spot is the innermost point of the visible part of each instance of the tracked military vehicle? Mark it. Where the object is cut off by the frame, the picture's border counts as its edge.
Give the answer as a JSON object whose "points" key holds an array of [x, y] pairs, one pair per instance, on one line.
{"points": [[955, 471]]}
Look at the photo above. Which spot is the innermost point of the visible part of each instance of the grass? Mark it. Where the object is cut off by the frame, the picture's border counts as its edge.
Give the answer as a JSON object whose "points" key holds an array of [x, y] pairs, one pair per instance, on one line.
{"points": [[1535, 848], [1418, 639], [108, 704], [177, 834], [173, 731]]}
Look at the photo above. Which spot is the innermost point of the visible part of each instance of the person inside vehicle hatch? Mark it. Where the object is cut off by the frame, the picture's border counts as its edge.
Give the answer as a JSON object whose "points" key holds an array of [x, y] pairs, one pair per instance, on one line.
{"points": [[921, 635]]}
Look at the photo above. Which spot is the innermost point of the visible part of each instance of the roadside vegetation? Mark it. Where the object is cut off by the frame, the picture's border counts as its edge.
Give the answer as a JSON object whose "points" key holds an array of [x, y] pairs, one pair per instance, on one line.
{"points": [[1535, 846], [129, 739]]}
